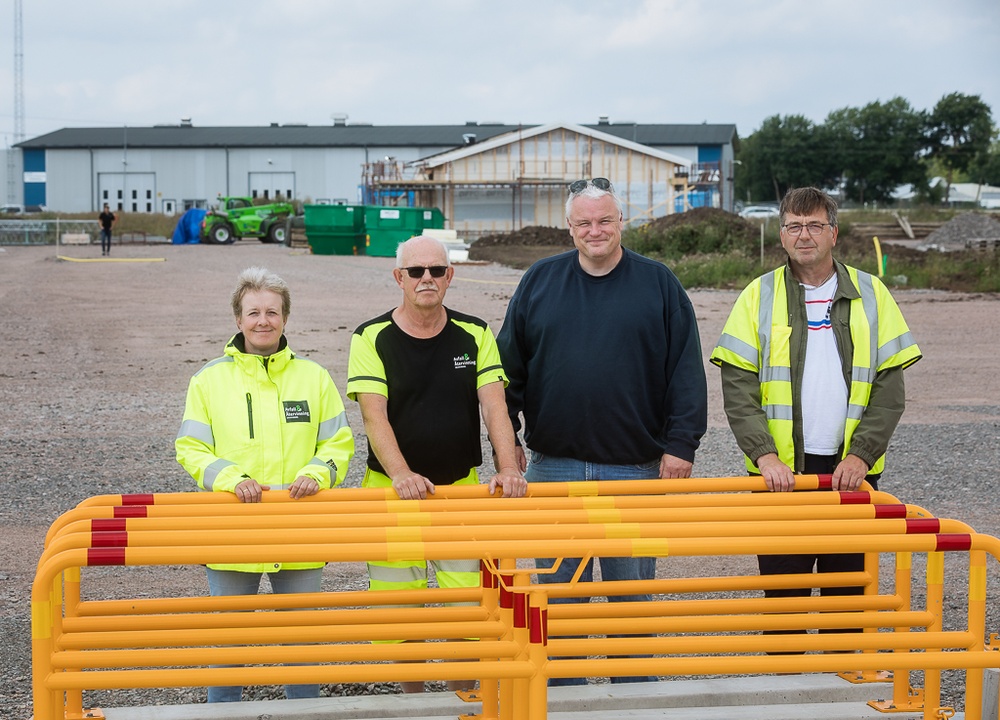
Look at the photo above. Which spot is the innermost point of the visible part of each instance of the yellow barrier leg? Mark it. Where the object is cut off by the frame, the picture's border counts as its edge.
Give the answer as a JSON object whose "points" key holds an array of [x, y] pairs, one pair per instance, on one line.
{"points": [[977, 627], [48, 703], [935, 605], [488, 687], [522, 637], [538, 635], [507, 693], [904, 697]]}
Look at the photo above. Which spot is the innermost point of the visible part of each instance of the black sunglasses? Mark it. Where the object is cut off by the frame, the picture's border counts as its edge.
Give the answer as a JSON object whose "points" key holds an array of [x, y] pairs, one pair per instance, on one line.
{"points": [[581, 185], [417, 272]]}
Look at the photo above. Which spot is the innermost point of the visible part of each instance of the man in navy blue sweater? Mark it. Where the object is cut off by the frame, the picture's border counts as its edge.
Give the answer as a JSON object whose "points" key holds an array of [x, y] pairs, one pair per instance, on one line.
{"points": [[602, 351]]}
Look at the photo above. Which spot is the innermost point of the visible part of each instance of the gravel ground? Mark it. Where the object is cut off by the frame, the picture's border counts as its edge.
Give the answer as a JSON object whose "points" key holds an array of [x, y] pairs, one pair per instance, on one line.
{"points": [[100, 354]]}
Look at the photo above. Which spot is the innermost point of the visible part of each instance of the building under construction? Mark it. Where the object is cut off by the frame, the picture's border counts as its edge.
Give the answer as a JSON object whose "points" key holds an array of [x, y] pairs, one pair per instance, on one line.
{"points": [[519, 178]]}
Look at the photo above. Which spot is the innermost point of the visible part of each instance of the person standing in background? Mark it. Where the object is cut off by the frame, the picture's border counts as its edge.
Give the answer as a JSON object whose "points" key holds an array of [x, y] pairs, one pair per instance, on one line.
{"points": [[107, 220]]}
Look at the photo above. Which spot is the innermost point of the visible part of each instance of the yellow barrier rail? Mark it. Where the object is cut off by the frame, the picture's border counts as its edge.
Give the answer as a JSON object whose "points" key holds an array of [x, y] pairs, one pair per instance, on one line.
{"points": [[523, 641]]}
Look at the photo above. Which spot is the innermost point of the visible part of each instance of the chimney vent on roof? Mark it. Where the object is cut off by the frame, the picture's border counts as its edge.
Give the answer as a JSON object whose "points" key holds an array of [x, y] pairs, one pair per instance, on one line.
{"points": [[186, 122], [471, 123], [603, 120], [469, 138], [339, 119]]}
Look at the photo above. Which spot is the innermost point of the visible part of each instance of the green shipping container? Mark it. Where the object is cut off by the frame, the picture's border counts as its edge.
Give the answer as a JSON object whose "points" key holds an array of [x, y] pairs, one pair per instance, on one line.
{"points": [[387, 227], [335, 229]]}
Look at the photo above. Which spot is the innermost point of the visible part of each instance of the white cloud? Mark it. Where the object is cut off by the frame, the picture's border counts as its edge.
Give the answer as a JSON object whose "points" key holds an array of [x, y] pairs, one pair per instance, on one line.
{"points": [[448, 61]]}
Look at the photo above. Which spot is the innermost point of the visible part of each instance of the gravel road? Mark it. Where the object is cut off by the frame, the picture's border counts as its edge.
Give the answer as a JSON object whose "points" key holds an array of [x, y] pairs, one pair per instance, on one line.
{"points": [[99, 355]]}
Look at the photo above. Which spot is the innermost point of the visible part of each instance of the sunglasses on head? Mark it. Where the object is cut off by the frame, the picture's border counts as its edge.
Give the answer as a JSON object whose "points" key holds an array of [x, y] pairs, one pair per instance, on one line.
{"points": [[581, 185], [417, 272]]}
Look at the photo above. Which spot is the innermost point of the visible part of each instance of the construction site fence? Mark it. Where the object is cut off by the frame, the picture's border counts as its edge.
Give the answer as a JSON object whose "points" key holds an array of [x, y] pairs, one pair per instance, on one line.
{"points": [[525, 633]]}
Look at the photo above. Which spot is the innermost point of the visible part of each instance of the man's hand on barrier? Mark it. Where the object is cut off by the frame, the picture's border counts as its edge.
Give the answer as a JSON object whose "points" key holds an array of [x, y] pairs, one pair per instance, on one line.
{"points": [[412, 486], [672, 466], [304, 486], [849, 474], [250, 491], [777, 476], [510, 481]]}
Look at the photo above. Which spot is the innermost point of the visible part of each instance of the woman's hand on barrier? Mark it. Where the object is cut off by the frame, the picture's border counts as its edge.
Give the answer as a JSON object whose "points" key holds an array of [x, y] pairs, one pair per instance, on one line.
{"points": [[304, 486], [250, 491]]}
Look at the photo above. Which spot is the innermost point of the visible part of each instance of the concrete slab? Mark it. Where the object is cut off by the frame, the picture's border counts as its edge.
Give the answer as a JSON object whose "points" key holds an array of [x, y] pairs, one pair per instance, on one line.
{"points": [[820, 696]]}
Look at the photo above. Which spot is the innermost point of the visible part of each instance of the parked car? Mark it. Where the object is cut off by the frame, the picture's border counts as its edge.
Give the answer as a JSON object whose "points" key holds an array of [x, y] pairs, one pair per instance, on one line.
{"points": [[759, 212], [11, 209]]}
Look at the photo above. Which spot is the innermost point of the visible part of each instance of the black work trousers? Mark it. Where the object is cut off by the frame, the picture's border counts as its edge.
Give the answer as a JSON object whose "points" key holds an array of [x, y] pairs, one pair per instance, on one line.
{"points": [[795, 564]]}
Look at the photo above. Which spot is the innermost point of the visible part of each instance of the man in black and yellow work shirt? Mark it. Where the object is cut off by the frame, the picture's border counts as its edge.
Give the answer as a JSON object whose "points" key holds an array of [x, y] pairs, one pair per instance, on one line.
{"points": [[422, 373]]}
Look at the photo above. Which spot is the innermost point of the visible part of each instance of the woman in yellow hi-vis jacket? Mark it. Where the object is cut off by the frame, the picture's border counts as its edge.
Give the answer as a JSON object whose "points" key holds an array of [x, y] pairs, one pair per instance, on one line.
{"points": [[812, 360], [262, 418]]}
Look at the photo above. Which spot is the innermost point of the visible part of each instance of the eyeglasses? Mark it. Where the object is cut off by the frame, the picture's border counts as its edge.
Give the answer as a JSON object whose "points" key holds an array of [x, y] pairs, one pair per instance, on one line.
{"points": [[581, 185], [417, 272], [814, 229]]}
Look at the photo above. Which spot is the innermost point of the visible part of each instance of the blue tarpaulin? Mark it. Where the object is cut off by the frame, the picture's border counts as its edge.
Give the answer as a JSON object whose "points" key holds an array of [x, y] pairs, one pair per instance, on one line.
{"points": [[188, 230]]}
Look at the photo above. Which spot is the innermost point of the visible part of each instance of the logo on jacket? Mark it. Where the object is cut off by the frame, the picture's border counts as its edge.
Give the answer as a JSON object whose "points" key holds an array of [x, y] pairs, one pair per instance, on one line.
{"points": [[463, 361], [296, 410]]}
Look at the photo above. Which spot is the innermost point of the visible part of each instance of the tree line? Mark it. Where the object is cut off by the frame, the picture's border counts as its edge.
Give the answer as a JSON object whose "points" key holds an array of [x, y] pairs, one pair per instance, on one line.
{"points": [[868, 152]]}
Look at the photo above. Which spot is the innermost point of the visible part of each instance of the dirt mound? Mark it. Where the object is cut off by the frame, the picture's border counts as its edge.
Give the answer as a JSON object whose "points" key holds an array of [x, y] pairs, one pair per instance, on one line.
{"points": [[531, 235], [734, 224]]}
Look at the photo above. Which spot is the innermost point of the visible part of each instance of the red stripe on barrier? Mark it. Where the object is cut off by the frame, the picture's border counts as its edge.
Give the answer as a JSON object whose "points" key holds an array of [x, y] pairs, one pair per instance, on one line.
{"points": [[107, 525], [130, 511], [917, 526], [825, 482], [520, 610], [954, 541], [895, 511], [138, 499], [538, 626], [109, 539], [856, 497], [487, 577], [506, 596], [106, 556]]}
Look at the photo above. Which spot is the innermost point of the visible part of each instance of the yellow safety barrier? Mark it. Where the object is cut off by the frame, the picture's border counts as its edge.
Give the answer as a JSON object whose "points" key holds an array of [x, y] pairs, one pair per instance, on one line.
{"points": [[523, 640]]}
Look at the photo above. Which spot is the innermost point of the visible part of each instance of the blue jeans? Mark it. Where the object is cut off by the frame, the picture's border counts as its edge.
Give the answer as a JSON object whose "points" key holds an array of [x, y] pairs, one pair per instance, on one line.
{"points": [[543, 468], [231, 582], [105, 241]]}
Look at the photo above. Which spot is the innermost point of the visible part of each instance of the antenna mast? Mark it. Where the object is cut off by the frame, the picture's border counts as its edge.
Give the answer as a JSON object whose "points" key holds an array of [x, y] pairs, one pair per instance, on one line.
{"points": [[18, 102]]}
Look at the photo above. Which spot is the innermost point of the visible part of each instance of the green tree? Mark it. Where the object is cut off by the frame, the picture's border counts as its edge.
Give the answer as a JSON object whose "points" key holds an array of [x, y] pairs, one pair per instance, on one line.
{"points": [[878, 147], [985, 167], [959, 129], [785, 152]]}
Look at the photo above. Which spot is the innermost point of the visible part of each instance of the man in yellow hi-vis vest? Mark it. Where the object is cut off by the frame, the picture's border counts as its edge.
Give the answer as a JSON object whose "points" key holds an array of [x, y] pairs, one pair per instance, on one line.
{"points": [[812, 360]]}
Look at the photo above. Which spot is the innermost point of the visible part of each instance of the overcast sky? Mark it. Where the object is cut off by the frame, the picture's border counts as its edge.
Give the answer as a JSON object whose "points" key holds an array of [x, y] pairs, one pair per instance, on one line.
{"points": [[254, 62]]}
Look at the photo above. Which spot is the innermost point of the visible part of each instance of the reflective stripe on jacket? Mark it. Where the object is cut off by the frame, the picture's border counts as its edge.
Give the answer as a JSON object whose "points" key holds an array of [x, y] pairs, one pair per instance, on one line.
{"points": [[758, 337], [271, 419]]}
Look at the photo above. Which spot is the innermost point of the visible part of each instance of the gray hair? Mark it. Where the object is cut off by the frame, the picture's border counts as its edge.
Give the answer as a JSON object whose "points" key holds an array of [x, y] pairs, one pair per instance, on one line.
{"points": [[592, 191], [401, 248], [255, 279]]}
